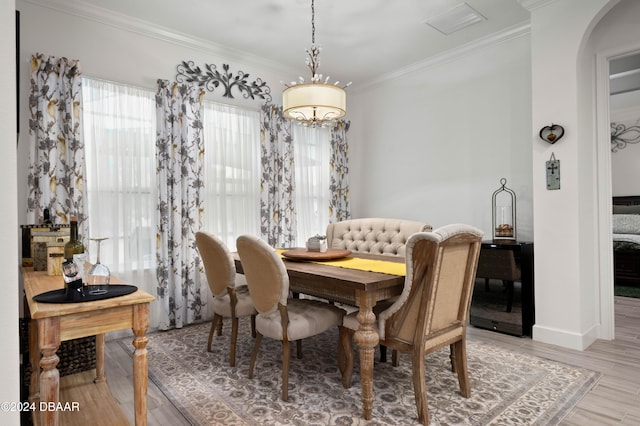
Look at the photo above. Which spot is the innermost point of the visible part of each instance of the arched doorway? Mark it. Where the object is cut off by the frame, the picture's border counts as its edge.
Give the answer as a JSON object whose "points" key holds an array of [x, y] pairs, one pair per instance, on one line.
{"points": [[614, 36]]}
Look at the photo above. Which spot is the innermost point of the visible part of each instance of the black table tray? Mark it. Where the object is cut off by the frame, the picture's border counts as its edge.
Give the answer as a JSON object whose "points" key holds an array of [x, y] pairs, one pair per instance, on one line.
{"points": [[59, 296]]}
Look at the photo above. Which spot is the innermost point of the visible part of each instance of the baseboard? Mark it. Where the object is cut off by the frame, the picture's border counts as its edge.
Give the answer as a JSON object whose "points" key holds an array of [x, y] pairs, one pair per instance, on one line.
{"points": [[565, 338]]}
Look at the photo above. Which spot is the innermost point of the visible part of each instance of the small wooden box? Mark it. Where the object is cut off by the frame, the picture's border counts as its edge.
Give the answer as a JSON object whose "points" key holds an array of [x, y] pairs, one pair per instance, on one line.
{"points": [[39, 241], [55, 257], [39, 256], [27, 243]]}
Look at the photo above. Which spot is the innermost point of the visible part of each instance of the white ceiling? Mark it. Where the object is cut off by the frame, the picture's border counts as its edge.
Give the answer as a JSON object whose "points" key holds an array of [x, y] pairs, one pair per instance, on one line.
{"points": [[361, 39]]}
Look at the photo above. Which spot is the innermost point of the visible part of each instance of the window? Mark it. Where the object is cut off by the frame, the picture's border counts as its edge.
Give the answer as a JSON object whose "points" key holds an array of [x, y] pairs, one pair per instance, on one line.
{"points": [[311, 159], [231, 171], [119, 128], [232, 174]]}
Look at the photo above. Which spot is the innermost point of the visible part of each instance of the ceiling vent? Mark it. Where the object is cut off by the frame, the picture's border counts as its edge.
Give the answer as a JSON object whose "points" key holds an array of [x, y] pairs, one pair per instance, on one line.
{"points": [[455, 19]]}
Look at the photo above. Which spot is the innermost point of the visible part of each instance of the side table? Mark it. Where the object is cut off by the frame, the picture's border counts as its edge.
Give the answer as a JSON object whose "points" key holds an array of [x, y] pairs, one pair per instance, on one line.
{"points": [[52, 323]]}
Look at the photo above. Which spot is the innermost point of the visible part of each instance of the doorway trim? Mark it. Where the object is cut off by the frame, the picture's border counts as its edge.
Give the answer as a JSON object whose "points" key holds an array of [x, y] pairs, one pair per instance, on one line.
{"points": [[604, 189]]}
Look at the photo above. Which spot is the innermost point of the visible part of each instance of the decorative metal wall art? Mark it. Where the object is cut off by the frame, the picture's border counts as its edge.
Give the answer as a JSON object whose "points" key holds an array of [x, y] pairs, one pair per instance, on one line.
{"points": [[210, 78], [622, 135], [503, 203], [552, 133]]}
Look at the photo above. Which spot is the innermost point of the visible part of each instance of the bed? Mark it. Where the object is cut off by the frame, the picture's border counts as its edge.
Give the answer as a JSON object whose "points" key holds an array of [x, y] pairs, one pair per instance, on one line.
{"points": [[626, 240]]}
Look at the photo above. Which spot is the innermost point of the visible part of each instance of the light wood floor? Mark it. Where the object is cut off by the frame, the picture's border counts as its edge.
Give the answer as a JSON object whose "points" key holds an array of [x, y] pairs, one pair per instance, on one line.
{"points": [[615, 400]]}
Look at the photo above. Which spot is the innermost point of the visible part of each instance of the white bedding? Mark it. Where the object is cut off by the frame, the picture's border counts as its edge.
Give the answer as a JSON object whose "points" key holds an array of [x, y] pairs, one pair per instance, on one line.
{"points": [[626, 223]]}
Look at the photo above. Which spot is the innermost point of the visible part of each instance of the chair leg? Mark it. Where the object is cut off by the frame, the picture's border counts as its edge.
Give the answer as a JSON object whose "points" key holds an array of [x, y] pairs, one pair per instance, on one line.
{"points": [[452, 359], [345, 356], [253, 326], [214, 325], [420, 386], [254, 354], [395, 361], [460, 355], [219, 329], [285, 369], [299, 348], [234, 339], [509, 295]]}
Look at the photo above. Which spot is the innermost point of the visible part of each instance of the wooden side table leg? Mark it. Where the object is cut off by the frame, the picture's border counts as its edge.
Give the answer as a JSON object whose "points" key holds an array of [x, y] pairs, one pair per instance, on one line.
{"points": [[49, 341], [140, 362], [100, 377], [367, 339], [34, 359]]}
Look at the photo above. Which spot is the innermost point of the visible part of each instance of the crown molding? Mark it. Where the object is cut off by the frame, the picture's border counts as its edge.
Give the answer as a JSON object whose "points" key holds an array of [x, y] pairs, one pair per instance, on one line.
{"points": [[148, 29], [511, 33]]}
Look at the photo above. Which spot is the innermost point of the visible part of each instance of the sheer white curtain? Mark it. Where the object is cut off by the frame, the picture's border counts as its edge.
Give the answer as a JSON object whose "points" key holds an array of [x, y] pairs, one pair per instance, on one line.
{"points": [[231, 171], [311, 158], [119, 130]]}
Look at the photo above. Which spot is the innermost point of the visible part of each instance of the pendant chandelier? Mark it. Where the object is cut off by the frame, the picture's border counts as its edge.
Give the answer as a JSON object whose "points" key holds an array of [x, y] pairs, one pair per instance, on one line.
{"points": [[318, 102]]}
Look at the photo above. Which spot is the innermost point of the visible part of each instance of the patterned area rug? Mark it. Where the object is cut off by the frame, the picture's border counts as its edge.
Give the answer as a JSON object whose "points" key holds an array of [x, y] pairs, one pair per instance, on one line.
{"points": [[506, 388]]}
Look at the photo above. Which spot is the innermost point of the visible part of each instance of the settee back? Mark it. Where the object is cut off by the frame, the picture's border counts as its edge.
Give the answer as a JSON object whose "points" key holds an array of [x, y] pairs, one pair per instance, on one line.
{"points": [[374, 235]]}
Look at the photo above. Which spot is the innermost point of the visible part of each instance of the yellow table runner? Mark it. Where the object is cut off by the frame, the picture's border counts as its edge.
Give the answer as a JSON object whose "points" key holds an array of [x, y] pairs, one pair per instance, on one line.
{"points": [[373, 265]]}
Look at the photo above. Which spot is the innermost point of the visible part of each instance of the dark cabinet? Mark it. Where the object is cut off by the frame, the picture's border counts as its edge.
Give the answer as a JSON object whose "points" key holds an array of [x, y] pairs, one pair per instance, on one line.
{"points": [[627, 267], [498, 304]]}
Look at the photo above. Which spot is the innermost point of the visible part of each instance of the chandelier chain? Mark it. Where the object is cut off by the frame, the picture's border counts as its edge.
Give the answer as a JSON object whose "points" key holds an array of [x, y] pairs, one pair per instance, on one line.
{"points": [[313, 23]]}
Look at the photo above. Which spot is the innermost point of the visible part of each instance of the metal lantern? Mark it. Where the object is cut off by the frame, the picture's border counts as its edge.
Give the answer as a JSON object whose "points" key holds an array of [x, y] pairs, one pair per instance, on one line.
{"points": [[504, 213]]}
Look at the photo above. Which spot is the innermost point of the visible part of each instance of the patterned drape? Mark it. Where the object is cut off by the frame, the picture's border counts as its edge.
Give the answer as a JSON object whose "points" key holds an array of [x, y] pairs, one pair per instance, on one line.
{"points": [[179, 157], [277, 198], [56, 157], [339, 174]]}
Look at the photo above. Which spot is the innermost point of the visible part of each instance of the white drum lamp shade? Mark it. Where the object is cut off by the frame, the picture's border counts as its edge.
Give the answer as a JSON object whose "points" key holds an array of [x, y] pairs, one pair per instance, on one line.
{"points": [[314, 103]]}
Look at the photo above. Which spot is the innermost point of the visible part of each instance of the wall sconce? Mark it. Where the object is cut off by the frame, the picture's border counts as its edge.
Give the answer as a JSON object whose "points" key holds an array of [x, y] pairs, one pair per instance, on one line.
{"points": [[552, 133]]}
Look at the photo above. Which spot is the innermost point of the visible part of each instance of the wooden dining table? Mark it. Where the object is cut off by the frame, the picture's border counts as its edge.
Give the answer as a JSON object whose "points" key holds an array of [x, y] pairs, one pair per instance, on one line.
{"points": [[359, 288]]}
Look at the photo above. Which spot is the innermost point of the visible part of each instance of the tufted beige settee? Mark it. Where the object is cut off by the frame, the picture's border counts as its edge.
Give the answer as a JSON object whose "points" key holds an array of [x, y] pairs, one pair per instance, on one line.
{"points": [[373, 235]]}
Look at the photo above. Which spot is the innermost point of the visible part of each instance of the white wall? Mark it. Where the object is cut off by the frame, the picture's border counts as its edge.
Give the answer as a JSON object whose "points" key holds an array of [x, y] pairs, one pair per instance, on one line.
{"points": [[567, 223], [9, 356], [432, 143]]}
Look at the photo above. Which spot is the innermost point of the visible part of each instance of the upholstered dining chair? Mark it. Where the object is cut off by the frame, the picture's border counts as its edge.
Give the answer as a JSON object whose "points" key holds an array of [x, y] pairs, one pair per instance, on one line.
{"points": [[231, 297], [280, 317], [433, 309]]}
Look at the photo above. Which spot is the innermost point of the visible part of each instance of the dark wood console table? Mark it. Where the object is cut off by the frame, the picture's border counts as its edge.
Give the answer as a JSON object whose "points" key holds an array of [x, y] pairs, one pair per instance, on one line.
{"points": [[491, 315]]}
